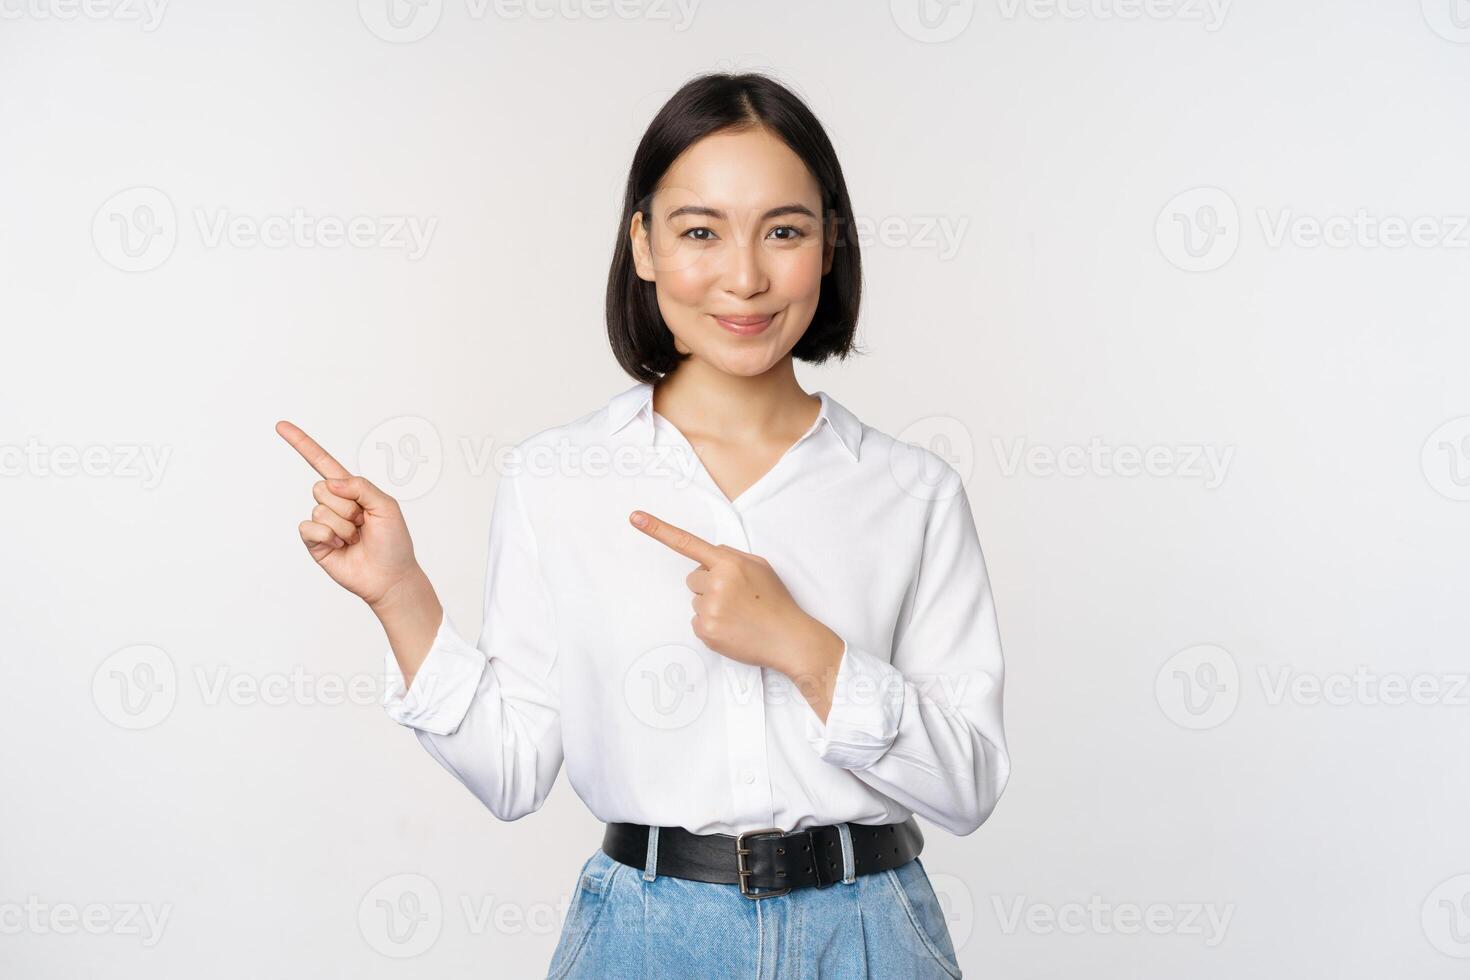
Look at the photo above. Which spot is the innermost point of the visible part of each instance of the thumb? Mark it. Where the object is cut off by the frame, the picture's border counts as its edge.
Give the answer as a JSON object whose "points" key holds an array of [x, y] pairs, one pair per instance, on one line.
{"points": [[362, 490]]}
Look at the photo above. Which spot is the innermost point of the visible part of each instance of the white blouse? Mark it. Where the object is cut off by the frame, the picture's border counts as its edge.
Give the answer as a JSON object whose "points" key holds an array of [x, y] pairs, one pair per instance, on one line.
{"points": [[587, 655]]}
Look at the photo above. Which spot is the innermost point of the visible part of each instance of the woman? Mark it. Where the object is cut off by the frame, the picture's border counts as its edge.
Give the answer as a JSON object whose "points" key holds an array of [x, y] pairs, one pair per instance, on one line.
{"points": [[758, 765]]}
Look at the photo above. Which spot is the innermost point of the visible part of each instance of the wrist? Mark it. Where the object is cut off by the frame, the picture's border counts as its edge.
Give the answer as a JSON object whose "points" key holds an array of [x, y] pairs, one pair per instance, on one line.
{"points": [[411, 595], [411, 615], [817, 654]]}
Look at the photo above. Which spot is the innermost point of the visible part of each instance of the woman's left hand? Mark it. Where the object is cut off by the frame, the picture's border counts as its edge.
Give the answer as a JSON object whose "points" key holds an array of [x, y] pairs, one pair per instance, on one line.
{"points": [[742, 609]]}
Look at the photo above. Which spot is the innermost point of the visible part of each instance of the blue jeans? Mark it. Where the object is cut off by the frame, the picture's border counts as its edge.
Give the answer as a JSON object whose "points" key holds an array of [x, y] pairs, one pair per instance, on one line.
{"points": [[627, 923]]}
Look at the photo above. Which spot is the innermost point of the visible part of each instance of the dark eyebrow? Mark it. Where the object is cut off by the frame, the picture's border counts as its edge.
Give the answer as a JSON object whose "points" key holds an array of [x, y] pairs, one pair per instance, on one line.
{"points": [[720, 215]]}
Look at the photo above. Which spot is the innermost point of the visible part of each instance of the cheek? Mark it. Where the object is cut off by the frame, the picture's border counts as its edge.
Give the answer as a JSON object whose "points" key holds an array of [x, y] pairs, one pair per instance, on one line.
{"points": [[684, 283], [797, 274]]}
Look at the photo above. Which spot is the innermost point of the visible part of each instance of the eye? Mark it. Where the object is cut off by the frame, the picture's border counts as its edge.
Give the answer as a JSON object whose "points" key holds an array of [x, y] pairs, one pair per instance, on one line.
{"points": [[796, 233], [690, 234]]}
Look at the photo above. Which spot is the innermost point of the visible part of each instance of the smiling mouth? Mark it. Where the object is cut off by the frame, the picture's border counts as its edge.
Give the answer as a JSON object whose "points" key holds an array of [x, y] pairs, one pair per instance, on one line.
{"points": [[745, 325]]}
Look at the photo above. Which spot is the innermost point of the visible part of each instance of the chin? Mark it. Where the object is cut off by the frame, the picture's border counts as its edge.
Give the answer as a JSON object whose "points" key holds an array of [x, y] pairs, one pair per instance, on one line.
{"points": [[742, 364]]}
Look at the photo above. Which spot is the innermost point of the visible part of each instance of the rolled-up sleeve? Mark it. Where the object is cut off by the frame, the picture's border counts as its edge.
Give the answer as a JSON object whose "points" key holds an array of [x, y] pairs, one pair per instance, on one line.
{"points": [[925, 727], [490, 713], [443, 687], [867, 708]]}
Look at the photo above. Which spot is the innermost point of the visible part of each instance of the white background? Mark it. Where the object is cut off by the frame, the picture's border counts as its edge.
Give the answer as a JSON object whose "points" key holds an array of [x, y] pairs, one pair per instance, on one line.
{"points": [[1066, 306]]}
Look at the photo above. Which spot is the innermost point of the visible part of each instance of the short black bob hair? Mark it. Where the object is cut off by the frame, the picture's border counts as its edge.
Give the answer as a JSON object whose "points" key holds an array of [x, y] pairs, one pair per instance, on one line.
{"points": [[709, 103]]}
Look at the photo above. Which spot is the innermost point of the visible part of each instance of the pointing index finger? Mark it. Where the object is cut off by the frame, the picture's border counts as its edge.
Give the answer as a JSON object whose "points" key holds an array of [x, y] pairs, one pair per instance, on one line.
{"points": [[680, 540], [320, 460]]}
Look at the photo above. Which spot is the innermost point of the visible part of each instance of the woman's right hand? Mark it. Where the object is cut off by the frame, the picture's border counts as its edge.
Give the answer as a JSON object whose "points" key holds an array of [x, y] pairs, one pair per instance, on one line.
{"points": [[356, 532]]}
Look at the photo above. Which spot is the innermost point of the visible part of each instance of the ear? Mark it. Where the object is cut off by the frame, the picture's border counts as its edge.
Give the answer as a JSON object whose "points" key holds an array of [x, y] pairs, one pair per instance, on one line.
{"points": [[829, 244], [642, 252]]}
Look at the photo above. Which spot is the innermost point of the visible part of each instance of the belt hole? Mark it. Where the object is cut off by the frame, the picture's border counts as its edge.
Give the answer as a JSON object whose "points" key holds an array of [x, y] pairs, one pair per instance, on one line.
{"points": [[780, 874], [780, 850]]}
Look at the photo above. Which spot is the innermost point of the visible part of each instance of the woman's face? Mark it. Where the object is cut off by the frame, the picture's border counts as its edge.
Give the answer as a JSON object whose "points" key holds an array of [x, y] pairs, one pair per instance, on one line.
{"points": [[735, 247]]}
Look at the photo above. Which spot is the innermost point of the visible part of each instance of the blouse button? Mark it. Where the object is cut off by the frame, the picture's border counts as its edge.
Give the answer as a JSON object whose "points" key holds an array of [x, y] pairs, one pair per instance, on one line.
{"points": [[746, 776]]}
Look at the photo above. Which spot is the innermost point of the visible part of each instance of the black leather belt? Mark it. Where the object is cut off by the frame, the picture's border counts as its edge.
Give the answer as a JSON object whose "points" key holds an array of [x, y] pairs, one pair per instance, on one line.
{"points": [[768, 862]]}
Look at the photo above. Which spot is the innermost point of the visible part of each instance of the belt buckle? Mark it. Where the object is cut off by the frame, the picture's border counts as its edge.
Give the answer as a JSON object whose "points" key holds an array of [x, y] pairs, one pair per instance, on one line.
{"points": [[741, 851]]}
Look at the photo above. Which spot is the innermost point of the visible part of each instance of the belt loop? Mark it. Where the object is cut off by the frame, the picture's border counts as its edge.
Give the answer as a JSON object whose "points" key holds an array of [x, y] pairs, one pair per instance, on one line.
{"points": [[849, 866], [650, 865]]}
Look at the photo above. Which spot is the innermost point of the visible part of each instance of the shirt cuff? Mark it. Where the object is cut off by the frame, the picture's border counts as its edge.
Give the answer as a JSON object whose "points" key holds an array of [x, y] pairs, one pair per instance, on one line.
{"points": [[443, 688], [867, 706]]}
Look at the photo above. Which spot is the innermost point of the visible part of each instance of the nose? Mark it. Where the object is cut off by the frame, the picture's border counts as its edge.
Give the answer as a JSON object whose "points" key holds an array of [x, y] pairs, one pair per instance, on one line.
{"points": [[744, 272]]}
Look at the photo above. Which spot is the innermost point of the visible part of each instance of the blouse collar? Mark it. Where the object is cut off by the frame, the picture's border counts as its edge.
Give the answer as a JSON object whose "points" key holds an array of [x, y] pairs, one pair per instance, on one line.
{"points": [[637, 403]]}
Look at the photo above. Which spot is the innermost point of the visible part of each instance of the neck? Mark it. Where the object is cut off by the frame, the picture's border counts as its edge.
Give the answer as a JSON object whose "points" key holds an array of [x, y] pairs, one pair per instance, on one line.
{"points": [[697, 397]]}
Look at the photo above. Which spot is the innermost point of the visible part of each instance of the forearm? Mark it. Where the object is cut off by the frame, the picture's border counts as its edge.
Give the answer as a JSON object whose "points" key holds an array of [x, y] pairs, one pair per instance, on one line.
{"points": [[814, 668], [410, 614]]}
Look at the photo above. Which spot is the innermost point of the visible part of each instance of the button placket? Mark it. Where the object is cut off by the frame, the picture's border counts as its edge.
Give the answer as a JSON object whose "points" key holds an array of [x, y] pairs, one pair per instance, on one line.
{"points": [[745, 714]]}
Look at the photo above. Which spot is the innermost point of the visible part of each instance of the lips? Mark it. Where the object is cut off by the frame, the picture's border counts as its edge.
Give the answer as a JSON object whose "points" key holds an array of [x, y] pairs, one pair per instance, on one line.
{"points": [[744, 324]]}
